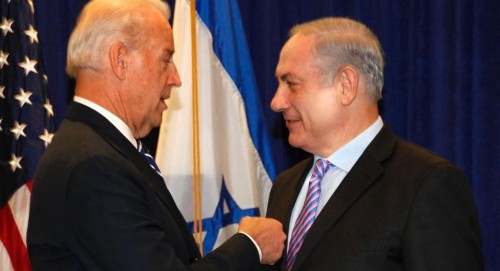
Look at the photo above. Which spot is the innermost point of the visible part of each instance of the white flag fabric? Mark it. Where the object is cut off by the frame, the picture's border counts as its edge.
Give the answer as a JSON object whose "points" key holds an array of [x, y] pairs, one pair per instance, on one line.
{"points": [[235, 160]]}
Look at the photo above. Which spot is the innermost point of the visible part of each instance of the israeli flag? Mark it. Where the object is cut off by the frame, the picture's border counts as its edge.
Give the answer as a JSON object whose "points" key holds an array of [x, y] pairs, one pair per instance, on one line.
{"points": [[235, 161]]}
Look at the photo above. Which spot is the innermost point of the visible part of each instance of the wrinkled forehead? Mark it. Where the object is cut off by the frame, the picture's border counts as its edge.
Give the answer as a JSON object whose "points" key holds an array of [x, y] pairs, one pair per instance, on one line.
{"points": [[299, 50], [157, 31]]}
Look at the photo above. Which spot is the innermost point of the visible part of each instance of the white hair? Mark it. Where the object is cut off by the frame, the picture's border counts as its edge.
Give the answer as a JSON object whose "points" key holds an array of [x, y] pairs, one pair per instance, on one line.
{"points": [[102, 21]]}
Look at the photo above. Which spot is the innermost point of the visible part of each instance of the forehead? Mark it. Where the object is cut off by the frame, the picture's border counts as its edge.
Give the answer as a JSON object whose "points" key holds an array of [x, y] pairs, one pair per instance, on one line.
{"points": [[297, 53], [159, 31]]}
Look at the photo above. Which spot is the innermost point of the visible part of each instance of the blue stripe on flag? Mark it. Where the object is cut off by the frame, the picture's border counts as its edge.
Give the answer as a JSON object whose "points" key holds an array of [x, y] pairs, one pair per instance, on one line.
{"points": [[223, 19]]}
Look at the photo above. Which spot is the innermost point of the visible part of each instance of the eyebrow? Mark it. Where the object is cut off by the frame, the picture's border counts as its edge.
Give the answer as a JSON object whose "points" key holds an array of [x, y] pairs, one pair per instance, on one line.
{"points": [[282, 77], [287, 77]]}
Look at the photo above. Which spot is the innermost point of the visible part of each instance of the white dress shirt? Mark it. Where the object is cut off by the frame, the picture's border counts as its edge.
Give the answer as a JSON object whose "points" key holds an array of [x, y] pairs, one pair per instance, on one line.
{"points": [[116, 121]]}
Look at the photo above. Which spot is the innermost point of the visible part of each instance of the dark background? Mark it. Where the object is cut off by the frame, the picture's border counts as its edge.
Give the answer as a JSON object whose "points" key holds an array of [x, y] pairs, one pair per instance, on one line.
{"points": [[441, 79]]}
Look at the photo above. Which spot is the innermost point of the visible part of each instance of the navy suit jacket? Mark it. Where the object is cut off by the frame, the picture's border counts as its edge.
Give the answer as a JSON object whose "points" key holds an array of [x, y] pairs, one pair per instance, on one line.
{"points": [[98, 205], [401, 207]]}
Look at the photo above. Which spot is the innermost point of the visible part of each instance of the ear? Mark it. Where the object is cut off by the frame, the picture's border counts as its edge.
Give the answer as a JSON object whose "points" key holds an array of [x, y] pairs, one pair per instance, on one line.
{"points": [[118, 59], [349, 78]]}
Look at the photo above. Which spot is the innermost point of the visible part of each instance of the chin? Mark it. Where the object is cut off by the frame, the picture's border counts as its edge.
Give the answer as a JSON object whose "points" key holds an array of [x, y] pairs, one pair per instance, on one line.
{"points": [[156, 123], [294, 141], [157, 117]]}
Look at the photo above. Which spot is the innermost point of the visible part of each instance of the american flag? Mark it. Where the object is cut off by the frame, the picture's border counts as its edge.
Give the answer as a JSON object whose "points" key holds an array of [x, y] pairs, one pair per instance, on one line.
{"points": [[26, 126]]}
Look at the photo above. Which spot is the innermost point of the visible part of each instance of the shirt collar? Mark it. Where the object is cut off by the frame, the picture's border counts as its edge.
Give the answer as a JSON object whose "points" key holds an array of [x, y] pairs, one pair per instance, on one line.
{"points": [[116, 121], [345, 157]]}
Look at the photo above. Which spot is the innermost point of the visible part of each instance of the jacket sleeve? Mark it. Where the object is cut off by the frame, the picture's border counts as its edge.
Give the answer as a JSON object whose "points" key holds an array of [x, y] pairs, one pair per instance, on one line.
{"points": [[113, 226]]}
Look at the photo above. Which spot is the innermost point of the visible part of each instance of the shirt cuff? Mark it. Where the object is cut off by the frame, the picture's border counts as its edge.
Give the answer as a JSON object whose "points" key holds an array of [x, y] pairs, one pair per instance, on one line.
{"points": [[255, 243]]}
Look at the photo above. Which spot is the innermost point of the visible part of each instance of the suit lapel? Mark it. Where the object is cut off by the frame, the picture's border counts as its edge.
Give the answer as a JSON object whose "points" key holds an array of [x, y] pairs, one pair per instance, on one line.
{"points": [[297, 182], [284, 194], [366, 171], [84, 114]]}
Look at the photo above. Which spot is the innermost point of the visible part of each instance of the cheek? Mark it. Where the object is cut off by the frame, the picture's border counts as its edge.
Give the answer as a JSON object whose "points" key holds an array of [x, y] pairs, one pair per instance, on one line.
{"points": [[319, 117]]}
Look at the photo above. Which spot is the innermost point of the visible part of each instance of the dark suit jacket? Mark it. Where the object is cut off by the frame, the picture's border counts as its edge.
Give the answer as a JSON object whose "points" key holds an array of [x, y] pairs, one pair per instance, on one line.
{"points": [[97, 205], [400, 208]]}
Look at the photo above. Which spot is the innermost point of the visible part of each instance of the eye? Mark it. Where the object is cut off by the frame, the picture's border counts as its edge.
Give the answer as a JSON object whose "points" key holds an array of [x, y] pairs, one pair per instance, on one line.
{"points": [[167, 58], [290, 83], [166, 63]]}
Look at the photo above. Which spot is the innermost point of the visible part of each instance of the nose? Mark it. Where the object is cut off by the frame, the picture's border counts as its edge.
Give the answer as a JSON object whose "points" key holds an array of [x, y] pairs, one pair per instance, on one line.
{"points": [[279, 102], [174, 78]]}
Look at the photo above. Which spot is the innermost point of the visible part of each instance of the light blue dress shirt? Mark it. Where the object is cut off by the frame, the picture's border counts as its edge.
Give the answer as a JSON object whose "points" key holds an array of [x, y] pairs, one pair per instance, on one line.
{"points": [[343, 160]]}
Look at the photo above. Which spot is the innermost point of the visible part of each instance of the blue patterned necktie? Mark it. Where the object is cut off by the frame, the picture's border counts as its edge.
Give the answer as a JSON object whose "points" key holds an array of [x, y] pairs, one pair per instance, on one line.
{"points": [[145, 152], [308, 213]]}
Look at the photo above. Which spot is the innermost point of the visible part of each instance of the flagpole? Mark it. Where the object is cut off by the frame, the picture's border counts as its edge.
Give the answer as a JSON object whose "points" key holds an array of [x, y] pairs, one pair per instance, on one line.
{"points": [[198, 216]]}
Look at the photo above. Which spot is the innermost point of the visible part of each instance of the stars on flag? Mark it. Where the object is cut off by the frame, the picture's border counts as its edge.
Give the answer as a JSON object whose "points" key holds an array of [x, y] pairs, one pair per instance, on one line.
{"points": [[6, 26], [26, 114], [46, 137], [32, 8], [28, 65], [18, 130], [48, 108], [23, 97], [15, 162], [3, 59], [32, 34]]}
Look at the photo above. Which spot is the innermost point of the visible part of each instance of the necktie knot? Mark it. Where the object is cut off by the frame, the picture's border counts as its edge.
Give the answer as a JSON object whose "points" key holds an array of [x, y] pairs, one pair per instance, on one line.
{"points": [[149, 158], [320, 168]]}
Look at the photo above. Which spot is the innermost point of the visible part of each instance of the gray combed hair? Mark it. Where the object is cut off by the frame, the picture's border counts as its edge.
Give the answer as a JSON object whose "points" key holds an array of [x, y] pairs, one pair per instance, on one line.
{"points": [[343, 41]]}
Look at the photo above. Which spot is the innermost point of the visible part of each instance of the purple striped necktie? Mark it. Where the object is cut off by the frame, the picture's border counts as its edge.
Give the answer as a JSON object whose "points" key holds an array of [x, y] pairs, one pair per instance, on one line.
{"points": [[308, 213]]}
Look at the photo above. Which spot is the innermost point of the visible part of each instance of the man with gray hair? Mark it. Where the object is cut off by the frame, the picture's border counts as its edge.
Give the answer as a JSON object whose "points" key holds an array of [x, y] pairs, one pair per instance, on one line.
{"points": [[365, 199], [99, 201]]}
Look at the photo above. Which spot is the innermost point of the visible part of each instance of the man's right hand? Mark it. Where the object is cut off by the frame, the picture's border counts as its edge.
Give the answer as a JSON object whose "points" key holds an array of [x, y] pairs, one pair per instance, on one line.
{"points": [[269, 235]]}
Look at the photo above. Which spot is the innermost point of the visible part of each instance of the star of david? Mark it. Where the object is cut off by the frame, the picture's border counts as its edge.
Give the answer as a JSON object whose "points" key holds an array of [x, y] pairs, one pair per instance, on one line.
{"points": [[213, 225]]}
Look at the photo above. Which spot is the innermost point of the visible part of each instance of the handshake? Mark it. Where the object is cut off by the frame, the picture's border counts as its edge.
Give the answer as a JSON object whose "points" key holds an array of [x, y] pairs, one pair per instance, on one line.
{"points": [[268, 234]]}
